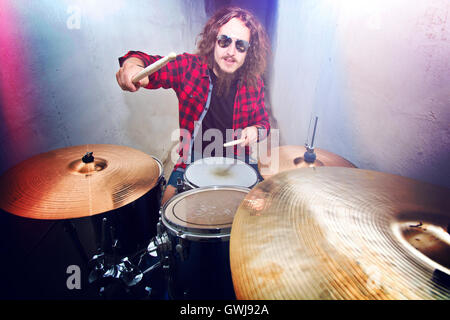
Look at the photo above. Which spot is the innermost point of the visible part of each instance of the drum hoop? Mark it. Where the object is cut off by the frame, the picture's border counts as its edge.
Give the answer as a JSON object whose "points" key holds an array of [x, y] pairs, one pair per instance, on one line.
{"points": [[198, 233], [193, 185], [161, 168], [189, 235]]}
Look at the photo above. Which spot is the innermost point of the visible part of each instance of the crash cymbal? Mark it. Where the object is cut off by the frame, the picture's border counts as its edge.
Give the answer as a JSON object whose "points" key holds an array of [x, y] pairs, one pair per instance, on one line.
{"points": [[341, 233], [291, 157], [60, 185]]}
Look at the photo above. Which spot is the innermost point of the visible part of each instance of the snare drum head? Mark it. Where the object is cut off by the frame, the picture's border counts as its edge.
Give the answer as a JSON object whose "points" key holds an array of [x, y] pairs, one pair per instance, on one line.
{"points": [[208, 211], [218, 171]]}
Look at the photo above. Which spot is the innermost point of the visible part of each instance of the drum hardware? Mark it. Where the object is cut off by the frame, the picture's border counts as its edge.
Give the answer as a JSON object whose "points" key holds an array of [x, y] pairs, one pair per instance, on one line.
{"points": [[289, 157], [294, 157], [180, 185], [102, 271], [161, 245], [182, 248], [88, 157], [108, 238], [106, 267], [309, 155]]}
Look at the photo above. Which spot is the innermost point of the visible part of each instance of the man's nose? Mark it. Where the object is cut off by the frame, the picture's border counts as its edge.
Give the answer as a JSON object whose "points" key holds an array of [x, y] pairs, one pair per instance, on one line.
{"points": [[231, 49]]}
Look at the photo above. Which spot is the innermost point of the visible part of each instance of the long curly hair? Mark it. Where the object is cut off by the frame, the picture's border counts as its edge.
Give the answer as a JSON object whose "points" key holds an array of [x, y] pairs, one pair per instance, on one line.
{"points": [[258, 52]]}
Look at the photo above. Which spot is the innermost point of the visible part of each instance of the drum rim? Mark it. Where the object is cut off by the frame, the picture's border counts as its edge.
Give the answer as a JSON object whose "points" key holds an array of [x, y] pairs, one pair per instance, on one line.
{"points": [[197, 233], [161, 167], [193, 185]]}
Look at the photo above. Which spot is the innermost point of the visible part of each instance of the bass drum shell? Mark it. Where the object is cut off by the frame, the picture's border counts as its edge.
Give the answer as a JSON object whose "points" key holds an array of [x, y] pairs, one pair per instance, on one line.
{"points": [[132, 225], [198, 224]]}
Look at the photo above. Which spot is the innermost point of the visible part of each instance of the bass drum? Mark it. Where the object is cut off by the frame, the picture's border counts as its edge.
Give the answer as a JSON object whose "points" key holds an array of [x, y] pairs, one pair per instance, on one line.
{"points": [[197, 224]]}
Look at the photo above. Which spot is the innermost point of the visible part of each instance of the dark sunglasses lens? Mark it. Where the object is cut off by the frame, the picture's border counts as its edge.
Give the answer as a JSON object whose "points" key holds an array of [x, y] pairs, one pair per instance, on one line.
{"points": [[224, 41], [241, 45]]}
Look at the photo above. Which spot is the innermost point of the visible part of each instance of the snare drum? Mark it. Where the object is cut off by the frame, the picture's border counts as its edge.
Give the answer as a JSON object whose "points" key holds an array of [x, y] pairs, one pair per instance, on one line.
{"points": [[219, 171], [197, 225]]}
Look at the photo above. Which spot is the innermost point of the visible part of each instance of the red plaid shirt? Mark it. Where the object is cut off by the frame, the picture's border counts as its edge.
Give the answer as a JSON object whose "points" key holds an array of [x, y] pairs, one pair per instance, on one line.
{"points": [[188, 76]]}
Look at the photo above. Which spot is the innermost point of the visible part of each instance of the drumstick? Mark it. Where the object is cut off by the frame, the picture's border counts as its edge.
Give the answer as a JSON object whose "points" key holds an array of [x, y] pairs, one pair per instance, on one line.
{"points": [[232, 143], [155, 66]]}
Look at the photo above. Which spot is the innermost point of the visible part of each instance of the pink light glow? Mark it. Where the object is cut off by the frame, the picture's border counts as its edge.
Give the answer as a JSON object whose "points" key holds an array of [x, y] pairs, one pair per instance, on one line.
{"points": [[14, 104]]}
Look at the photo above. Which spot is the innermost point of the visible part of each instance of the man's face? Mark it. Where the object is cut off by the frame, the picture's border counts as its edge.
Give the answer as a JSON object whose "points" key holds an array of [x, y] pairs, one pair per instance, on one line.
{"points": [[229, 59]]}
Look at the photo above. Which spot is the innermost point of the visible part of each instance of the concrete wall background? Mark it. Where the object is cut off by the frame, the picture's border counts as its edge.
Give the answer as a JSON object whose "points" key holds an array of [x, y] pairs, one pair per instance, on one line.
{"points": [[60, 87], [377, 75]]}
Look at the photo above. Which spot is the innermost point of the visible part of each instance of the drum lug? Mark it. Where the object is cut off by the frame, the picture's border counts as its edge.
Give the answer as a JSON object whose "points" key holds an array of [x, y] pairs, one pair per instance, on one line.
{"points": [[159, 229], [180, 185], [182, 249], [160, 243], [162, 185]]}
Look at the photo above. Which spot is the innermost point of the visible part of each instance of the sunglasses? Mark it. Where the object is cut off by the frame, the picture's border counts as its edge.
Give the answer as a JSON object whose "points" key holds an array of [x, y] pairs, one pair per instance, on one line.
{"points": [[224, 41]]}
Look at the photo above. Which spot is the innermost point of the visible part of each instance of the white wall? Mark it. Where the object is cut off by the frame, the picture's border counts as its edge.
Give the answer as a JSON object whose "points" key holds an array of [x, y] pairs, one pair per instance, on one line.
{"points": [[376, 73]]}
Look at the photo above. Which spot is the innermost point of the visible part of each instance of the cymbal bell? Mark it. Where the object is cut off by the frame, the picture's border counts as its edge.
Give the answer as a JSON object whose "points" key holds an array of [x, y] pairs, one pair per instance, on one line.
{"points": [[60, 185], [290, 157], [341, 233]]}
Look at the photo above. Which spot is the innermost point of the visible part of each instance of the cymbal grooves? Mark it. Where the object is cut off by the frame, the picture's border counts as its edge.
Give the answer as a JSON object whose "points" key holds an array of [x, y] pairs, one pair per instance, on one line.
{"points": [[326, 233], [48, 186]]}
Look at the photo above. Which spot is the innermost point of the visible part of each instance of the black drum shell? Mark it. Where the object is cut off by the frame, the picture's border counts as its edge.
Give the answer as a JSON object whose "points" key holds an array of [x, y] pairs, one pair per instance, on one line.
{"points": [[199, 259], [134, 224], [203, 273]]}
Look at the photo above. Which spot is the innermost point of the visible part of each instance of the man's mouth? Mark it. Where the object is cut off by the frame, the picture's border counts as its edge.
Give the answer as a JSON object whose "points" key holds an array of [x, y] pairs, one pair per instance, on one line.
{"points": [[229, 60]]}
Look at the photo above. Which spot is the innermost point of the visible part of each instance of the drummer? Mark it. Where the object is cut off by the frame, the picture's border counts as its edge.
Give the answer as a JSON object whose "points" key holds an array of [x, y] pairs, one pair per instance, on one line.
{"points": [[220, 87]]}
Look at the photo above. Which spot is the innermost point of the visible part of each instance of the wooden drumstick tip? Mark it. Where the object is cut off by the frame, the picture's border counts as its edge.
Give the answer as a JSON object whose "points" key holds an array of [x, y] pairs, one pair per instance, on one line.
{"points": [[155, 66], [234, 142], [172, 56]]}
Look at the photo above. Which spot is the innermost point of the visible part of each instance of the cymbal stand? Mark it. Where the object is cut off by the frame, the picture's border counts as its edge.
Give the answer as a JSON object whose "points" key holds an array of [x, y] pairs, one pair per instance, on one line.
{"points": [[105, 268], [310, 155]]}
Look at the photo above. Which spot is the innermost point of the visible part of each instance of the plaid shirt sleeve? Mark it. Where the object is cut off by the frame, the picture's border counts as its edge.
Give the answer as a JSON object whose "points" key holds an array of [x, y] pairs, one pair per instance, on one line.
{"points": [[251, 110], [261, 118], [167, 77]]}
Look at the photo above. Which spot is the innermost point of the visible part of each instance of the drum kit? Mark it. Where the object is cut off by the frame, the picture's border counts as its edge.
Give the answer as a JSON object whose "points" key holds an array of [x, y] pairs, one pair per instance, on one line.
{"points": [[319, 229]]}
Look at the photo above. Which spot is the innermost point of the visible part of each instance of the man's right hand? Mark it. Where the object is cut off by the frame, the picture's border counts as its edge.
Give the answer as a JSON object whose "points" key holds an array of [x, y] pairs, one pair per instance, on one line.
{"points": [[129, 68]]}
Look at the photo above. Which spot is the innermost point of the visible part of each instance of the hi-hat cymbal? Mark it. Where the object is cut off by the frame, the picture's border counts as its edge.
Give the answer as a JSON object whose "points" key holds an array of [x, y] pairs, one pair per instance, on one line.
{"points": [[341, 233], [291, 157], [59, 185]]}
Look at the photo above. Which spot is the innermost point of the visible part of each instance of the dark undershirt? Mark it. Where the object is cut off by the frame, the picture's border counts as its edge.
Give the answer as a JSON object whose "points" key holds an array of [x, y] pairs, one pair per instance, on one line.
{"points": [[220, 114]]}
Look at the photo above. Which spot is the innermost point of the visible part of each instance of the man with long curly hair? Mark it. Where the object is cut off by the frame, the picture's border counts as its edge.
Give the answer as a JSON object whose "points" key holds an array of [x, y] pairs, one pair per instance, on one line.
{"points": [[220, 87]]}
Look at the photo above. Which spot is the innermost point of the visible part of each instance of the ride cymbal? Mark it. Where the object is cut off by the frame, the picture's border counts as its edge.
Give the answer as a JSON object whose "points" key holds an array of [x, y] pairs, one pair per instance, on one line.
{"points": [[60, 185], [341, 233], [291, 157]]}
